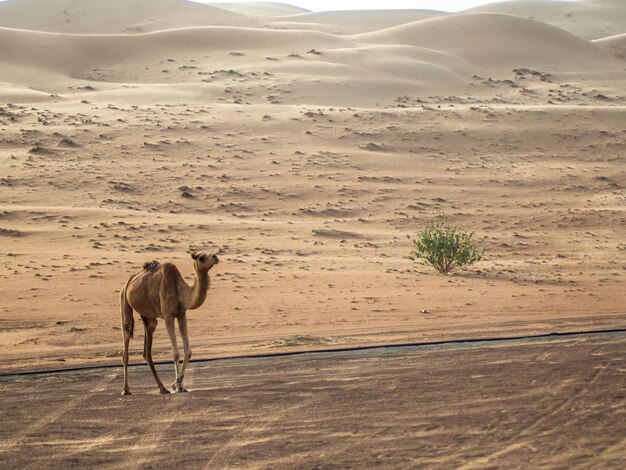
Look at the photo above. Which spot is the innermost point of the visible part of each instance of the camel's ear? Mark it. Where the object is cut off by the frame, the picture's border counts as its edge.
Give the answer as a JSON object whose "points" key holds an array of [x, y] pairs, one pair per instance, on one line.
{"points": [[194, 255]]}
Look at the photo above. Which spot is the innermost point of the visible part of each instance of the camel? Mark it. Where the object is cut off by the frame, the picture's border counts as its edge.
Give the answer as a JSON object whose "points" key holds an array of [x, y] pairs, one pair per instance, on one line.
{"points": [[159, 291]]}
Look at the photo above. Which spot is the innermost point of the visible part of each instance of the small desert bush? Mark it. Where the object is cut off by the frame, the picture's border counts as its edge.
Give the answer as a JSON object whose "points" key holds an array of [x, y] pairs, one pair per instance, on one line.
{"points": [[445, 247]]}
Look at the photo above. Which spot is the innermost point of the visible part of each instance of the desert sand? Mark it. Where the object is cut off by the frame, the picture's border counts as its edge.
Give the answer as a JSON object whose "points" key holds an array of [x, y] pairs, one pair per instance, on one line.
{"points": [[303, 148], [430, 407]]}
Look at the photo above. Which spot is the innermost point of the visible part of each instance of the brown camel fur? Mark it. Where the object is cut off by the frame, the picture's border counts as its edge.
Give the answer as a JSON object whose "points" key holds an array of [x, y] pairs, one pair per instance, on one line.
{"points": [[159, 291]]}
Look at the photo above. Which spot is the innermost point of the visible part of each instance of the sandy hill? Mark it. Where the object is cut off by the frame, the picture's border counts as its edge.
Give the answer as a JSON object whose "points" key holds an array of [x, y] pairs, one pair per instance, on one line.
{"points": [[260, 8], [433, 54], [52, 50], [617, 43], [353, 22], [114, 16], [311, 57], [496, 41], [591, 19], [203, 60]]}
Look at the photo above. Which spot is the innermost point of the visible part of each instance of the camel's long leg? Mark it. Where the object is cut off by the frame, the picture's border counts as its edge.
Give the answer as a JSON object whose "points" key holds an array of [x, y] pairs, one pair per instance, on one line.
{"points": [[182, 326], [171, 331], [150, 325], [128, 324]]}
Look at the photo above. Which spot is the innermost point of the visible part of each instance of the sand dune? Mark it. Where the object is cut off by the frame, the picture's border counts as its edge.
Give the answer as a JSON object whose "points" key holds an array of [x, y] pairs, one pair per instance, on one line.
{"points": [[591, 19], [588, 19], [496, 41], [353, 22], [617, 42], [382, 73], [340, 71], [114, 16], [13, 93], [435, 56], [409, 63], [52, 50], [260, 8]]}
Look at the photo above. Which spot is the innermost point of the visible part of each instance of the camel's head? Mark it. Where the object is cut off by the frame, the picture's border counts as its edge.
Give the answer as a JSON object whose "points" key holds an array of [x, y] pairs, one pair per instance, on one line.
{"points": [[204, 261]]}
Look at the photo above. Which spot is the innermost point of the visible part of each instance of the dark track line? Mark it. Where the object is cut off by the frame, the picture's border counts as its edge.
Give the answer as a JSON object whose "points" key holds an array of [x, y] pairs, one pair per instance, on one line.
{"points": [[553, 335]]}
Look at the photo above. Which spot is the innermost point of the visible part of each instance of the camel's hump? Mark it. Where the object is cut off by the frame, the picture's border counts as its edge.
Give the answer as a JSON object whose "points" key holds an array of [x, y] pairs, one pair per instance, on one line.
{"points": [[151, 266]]}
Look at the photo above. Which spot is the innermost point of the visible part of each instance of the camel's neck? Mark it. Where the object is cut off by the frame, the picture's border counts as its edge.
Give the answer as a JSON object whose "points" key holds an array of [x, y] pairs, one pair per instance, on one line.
{"points": [[198, 291]]}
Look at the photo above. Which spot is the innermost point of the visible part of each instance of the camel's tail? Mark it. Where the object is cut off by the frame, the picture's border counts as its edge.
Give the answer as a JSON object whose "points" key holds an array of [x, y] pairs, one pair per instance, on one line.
{"points": [[128, 322]]}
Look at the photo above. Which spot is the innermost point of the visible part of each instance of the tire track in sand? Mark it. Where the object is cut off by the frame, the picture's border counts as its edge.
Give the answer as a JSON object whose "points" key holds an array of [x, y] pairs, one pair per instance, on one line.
{"points": [[20, 437], [138, 453], [57, 459], [526, 432], [156, 429], [222, 457]]}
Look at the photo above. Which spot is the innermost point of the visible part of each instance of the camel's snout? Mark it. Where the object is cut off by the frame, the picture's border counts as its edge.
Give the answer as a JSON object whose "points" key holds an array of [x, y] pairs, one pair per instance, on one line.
{"points": [[215, 259]]}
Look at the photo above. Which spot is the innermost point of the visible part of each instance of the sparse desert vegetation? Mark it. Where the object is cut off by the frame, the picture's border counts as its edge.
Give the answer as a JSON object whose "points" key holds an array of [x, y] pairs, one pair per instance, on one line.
{"points": [[445, 247]]}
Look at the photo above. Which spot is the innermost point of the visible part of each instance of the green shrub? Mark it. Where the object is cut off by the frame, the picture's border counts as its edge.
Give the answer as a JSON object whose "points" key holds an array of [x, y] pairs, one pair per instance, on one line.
{"points": [[444, 247]]}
